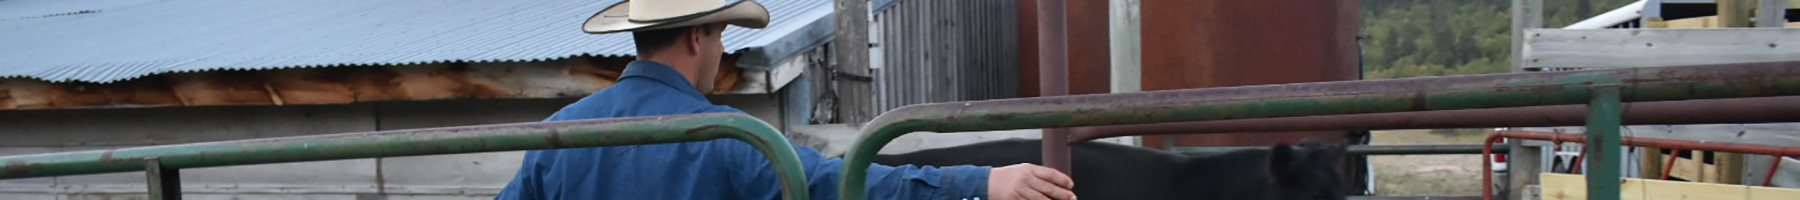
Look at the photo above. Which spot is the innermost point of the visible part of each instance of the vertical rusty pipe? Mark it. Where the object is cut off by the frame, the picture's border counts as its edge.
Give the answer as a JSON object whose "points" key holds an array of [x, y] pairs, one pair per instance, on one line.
{"points": [[1487, 166], [1575, 166], [1676, 153], [1773, 165], [1053, 75]]}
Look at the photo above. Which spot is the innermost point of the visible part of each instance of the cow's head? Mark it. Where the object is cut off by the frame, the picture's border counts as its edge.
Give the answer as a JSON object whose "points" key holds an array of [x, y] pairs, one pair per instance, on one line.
{"points": [[1307, 171]]}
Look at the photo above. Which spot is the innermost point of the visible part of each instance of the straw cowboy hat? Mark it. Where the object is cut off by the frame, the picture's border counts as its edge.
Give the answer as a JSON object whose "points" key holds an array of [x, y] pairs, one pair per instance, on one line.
{"points": [[644, 15]]}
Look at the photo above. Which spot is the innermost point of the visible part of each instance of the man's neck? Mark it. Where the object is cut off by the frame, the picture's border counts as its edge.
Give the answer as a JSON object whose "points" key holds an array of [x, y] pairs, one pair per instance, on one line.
{"points": [[689, 67]]}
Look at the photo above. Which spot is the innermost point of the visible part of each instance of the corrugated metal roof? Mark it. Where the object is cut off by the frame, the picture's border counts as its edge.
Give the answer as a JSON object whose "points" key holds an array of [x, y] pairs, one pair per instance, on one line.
{"points": [[106, 41]]}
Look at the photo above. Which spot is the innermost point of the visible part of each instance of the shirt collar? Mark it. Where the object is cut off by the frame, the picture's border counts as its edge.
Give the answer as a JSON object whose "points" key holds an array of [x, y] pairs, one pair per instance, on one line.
{"points": [[660, 73]]}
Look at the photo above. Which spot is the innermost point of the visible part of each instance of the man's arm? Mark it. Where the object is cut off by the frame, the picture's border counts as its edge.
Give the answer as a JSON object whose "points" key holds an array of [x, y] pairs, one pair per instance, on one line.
{"points": [[752, 171]]}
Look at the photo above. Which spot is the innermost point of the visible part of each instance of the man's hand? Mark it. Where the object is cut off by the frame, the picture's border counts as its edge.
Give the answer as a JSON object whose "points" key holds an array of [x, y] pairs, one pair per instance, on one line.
{"points": [[1029, 182]]}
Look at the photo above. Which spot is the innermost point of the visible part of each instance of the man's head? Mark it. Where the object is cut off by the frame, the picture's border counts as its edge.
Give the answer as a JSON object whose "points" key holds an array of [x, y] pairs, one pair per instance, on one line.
{"points": [[684, 34], [693, 50]]}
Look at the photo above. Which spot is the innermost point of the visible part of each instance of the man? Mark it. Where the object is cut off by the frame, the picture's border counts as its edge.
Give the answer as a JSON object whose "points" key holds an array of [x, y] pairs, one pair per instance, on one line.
{"points": [[678, 54]]}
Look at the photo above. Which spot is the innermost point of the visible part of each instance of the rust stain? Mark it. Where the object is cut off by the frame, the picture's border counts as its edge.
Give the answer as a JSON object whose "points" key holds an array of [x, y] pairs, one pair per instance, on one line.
{"points": [[332, 85], [314, 85], [1315, 43], [374, 84], [20, 167], [728, 75], [220, 88], [6, 100], [466, 85], [107, 157], [555, 138]]}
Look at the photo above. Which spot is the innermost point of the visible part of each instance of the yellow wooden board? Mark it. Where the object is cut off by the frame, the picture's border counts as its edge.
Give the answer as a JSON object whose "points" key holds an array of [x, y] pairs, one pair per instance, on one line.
{"points": [[1692, 170], [1694, 22], [1573, 187]]}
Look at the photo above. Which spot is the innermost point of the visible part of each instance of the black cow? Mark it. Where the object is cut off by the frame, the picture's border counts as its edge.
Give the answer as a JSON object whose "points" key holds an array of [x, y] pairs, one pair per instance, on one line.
{"points": [[1112, 171]]}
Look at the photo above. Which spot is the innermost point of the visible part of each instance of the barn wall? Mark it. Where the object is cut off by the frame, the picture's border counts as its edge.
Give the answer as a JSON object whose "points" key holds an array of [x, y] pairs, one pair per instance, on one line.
{"points": [[1199, 44], [929, 51]]}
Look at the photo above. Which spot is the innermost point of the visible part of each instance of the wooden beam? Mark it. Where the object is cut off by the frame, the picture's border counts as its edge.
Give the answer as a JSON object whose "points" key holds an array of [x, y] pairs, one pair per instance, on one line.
{"points": [[1570, 187], [1608, 48]]}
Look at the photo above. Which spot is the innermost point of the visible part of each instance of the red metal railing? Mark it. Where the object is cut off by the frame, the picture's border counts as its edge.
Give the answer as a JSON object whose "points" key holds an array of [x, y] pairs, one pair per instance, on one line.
{"points": [[1487, 175]]}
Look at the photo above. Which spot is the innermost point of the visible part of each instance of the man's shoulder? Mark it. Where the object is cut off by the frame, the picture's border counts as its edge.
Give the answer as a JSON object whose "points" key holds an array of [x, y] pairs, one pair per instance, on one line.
{"points": [[632, 102], [720, 109]]}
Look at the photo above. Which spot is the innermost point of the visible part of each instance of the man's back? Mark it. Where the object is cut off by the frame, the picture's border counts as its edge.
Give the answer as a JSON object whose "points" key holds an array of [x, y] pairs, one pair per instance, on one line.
{"points": [[715, 169], [641, 91]]}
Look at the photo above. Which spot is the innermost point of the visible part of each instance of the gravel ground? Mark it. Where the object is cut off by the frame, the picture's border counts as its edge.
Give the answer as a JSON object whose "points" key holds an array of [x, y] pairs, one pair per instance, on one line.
{"points": [[1434, 175]]}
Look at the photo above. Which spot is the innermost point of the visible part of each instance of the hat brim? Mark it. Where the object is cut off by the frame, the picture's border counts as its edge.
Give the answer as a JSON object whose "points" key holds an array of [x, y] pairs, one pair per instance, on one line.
{"points": [[615, 18]]}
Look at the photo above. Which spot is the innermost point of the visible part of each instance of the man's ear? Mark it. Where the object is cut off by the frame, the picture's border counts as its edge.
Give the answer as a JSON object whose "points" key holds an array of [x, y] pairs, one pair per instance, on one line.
{"points": [[693, 36]]}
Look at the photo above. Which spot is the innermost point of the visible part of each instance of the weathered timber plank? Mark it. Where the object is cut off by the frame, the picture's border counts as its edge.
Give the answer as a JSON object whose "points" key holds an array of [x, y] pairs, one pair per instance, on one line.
{"points": [[1607, 48], [1565, 186]]}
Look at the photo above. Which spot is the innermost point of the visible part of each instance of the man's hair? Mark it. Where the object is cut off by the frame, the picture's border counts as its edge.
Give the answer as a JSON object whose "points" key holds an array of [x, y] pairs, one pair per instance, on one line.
{"points": [[653, 40]]}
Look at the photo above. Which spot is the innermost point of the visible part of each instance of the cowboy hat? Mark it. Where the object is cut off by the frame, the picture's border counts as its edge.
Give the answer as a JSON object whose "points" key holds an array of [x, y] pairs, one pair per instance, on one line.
{"points": [[644, 15]]}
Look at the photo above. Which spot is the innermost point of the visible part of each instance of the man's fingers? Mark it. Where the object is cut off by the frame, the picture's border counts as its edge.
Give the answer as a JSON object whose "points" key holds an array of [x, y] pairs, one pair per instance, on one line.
{"points": [[1050, 189], [1028, 181], [1031, 195], [1053, 176]]}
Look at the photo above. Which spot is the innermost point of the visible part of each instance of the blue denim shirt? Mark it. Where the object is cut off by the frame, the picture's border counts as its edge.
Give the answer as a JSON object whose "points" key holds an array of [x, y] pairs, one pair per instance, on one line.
{"points": [[715, 169]]}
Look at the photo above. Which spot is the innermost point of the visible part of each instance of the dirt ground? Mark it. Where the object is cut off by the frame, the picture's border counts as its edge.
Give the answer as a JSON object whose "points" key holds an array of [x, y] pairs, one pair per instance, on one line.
{"points": [[1434, 175]]}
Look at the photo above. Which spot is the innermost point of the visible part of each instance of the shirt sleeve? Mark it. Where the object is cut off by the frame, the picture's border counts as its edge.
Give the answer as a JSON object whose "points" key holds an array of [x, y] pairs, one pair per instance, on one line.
{"points": [[524, 185], [751, 170]]}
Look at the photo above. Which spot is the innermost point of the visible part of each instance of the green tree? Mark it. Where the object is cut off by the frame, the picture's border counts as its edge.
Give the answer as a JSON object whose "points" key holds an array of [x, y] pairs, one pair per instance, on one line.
{"points": [[1409, 38]]}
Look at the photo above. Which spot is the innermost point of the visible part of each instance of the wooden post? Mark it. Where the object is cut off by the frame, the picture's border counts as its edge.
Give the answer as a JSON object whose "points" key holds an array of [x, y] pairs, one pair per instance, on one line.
{"points": [[851, 50], [1526, 14], [1522, 162], [1771, 13], [1734, 13], [1650, 162], [1731, 167], [1521, 168]]}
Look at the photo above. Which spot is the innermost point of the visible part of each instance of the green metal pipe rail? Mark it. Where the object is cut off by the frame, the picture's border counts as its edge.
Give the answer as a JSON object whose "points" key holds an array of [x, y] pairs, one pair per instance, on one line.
{"points": [[162, 162], [1602, 90]]}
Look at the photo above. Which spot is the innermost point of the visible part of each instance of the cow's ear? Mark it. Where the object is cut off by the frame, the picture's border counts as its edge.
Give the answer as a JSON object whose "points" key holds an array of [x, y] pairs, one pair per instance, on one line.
{"points": [[1280, 157]]}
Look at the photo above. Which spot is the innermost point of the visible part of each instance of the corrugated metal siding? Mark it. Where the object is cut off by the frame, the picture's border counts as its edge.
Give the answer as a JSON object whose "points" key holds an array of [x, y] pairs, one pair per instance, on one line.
{"points": [[108, 42], [945, 50]]}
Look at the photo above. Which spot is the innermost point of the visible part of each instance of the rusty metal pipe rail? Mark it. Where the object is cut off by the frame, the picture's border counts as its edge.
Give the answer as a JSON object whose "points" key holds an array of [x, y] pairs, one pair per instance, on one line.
{"points": [[453, 140], [1418, 149], [1370, 150], [1709, 111], [1327, 98], [1487, 175]]}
